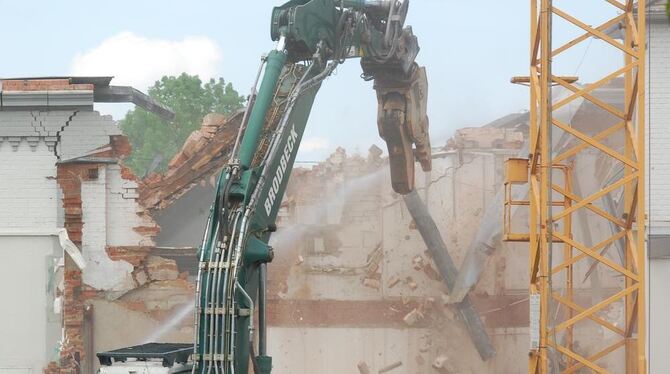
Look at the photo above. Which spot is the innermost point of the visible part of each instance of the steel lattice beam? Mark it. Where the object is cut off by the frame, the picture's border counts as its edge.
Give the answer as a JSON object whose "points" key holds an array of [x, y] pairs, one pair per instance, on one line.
{"points": [[550, 229]]}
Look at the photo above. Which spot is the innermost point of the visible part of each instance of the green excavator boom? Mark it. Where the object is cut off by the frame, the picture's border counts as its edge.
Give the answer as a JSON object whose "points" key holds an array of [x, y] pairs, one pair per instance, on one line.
{"points": [[313, 38]]}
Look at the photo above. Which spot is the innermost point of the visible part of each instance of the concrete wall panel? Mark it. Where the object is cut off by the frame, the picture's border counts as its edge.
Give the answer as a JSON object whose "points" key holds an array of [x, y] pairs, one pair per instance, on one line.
{"points": [[24, 326]]}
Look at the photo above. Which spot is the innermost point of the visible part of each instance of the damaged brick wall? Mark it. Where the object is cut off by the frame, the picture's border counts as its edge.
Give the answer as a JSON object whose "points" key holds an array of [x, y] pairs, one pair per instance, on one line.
{"points": [[77, 294], [349, 256], [81, 153], [205, 152], [72, 352], [333, 262], [338, 268], [107, 210]]}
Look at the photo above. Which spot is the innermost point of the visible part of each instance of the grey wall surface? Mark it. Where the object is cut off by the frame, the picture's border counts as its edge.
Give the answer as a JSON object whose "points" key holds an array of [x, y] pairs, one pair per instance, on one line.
{"points": [[29, 329], [183, 223]]}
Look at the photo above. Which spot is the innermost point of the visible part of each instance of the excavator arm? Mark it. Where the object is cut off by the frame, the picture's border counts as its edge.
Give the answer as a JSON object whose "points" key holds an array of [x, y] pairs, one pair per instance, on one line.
{"points": [[374, 31], [313, 38]]}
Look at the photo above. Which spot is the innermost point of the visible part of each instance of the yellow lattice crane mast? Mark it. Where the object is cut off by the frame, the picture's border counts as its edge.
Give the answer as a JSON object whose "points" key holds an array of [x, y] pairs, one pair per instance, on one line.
{"points": [[572, 330]]}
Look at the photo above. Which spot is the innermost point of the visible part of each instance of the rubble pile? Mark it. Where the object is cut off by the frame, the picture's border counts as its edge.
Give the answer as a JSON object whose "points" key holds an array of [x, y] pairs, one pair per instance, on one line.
{"points": [[486, 138]]}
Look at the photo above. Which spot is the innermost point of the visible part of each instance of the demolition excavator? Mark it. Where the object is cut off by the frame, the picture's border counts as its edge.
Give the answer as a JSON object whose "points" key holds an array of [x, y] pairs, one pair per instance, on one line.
{"points": [[312, 38]]}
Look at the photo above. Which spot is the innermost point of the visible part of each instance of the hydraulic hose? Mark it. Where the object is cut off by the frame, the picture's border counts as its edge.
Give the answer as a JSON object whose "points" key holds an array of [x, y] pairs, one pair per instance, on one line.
{"points": [[276, 61]]}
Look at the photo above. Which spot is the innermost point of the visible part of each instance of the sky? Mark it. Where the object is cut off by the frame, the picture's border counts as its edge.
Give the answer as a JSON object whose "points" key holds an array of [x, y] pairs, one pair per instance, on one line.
{"points": [[471, 50]]}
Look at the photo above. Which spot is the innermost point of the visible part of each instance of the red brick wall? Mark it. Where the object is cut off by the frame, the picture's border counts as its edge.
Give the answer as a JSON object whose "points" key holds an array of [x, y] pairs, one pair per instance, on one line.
{"points": [[43, 85], [69, 178], [131, 254]]}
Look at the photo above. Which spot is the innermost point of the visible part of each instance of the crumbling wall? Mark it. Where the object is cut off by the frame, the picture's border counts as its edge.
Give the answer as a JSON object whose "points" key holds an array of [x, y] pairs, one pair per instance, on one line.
{"points": [[350, 264], [349, 258], [458, 190], [62, 167], [116, 237], [337, 228], [204, 153], [84, 133], [101, 273]]}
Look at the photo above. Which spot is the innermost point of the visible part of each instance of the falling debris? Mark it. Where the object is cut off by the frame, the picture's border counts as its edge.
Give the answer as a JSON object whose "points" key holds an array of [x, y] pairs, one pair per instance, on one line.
{"points": [[439, 362], [363, 368], [417, 262], [300, 260], [411, 283], [425, 347], [372, 283], [374, 259], [445, 298], [419, 360], [439, 252], [430, 272], [161, 269], [393, 281], [442, 364], [413, 317], [485, 137], [388, 368]]}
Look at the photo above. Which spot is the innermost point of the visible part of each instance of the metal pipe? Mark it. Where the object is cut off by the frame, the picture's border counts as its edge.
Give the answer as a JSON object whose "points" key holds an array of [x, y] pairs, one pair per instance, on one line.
{"points": [[445, 265], [226, 274], [235, 261], [250, 106], [220, 252], [251, 308], [88, 363], [208, 343], [226, 280], [262, 303], [198, 286]]}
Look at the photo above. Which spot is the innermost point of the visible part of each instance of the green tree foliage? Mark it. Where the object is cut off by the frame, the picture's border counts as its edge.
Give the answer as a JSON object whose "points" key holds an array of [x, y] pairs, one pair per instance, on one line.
{"points": [[156, 141]]}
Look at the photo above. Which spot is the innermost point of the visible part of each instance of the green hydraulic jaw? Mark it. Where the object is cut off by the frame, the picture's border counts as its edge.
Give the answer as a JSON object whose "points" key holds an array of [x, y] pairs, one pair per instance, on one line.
{"points": [[313, 38]]}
